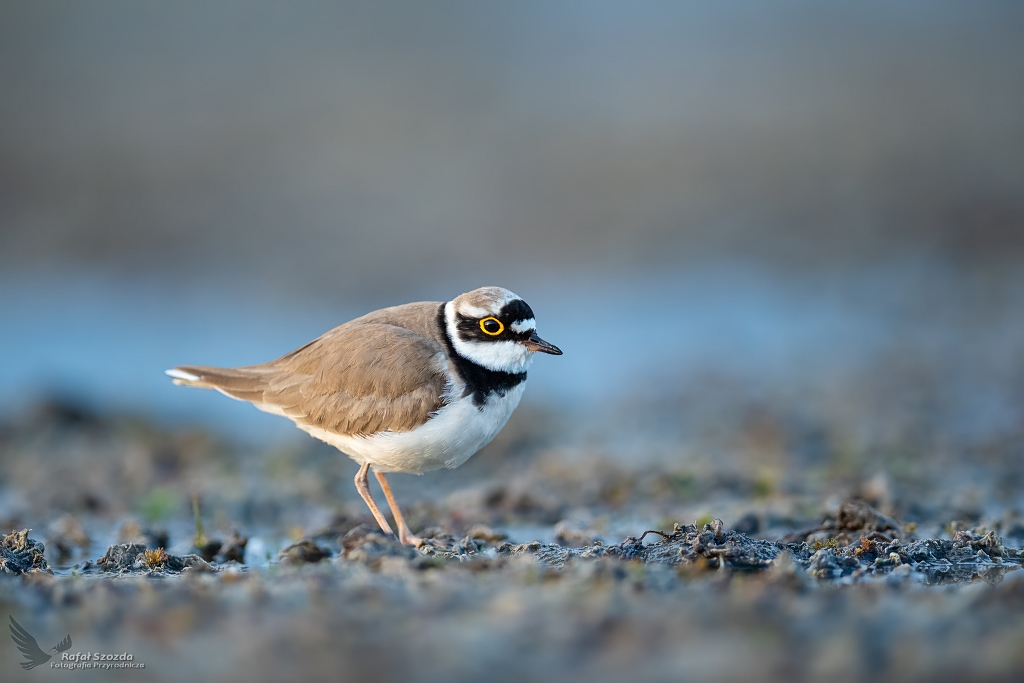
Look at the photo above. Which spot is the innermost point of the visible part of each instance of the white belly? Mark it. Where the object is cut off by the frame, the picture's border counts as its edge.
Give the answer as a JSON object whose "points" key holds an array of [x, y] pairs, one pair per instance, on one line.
{"points": [[448, 439]]}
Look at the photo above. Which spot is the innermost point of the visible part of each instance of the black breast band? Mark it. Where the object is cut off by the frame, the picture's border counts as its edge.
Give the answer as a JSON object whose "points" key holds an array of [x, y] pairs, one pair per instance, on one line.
{"points": [[480, 382]]}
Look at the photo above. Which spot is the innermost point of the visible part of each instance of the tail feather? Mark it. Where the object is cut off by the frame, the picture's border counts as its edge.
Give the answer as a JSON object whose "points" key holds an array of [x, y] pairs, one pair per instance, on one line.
{"points": [[179, 376], [245, 384]]}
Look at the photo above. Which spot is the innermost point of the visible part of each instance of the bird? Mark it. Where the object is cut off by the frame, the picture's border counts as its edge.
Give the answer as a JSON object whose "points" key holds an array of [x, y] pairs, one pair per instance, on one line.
{"points": [[410, 388], [34, 655]]}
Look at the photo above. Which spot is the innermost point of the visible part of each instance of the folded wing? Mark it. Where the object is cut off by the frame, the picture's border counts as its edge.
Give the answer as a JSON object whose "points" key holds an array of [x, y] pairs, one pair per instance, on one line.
{"points": [[359, 378]]}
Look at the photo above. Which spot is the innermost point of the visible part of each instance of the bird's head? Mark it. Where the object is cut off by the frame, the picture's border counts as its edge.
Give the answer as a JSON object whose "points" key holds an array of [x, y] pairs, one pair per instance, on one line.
{"points": [[495, 328]]}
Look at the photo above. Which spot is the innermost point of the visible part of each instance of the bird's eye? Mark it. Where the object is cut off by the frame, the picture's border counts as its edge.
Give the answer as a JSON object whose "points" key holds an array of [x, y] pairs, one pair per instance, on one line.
{"points": [[492, 326]]}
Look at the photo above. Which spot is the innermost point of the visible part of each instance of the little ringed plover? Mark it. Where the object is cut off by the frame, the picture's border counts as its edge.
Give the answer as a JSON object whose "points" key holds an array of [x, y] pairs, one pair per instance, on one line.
{"points": [[409, 388]]}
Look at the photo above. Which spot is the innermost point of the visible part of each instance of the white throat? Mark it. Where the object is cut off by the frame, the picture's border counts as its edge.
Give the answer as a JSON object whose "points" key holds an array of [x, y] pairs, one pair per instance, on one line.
{"points": [[501, 356]]}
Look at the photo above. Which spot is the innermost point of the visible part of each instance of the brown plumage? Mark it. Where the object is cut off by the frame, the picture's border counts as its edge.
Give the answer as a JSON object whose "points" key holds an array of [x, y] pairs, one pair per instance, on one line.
{"points": [[383, 371], [410, 388]]}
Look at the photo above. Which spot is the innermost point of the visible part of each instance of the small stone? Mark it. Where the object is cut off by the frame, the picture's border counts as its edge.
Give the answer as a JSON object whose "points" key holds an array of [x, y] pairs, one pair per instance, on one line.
{"points": [[303, 552], [121, 557], [193, 564], [717, 526]]}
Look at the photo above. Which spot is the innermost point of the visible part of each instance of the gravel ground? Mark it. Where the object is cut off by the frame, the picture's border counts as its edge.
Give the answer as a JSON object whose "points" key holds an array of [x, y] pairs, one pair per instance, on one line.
{"points": [[545, 560]]}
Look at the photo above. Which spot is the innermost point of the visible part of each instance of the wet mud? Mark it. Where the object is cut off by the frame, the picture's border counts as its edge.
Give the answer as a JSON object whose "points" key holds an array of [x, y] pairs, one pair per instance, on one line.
{"points": [[209, 561]]}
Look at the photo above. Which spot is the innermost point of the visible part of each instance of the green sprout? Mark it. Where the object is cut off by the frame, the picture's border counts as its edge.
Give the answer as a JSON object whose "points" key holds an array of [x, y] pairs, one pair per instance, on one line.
{"points": [[200, 539]]}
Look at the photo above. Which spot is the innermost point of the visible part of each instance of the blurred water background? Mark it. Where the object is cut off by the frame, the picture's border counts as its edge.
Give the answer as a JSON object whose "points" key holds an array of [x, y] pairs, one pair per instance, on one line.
{"points": [[822, 203]]}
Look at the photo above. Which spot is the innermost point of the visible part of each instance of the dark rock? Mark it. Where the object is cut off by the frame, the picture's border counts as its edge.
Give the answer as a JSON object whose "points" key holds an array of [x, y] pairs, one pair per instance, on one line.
{"points": [[712, 546], [136, 558], [826, 563], [303, 552], [188, 563], [121, 557], [20, 554]]}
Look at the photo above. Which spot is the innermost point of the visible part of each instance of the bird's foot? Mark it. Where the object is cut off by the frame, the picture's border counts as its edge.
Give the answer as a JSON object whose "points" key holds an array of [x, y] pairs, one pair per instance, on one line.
{"points": [[407, 538]]}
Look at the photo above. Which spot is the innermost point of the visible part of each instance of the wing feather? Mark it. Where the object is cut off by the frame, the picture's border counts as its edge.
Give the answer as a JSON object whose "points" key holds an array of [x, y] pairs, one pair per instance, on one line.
{"points": [[360, 378]]}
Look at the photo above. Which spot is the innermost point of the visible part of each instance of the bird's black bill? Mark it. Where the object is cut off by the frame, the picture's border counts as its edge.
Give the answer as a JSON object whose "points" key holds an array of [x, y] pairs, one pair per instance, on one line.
{"points": [[535, 343]]}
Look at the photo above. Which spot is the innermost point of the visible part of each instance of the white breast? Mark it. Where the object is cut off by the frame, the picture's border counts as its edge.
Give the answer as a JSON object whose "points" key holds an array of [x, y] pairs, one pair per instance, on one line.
{"points": [[448, 439]]}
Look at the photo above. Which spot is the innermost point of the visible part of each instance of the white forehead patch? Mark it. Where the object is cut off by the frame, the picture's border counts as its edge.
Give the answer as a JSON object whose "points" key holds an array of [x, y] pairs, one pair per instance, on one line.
{"points": [[471, 311], [521, 326], [486, 301]]}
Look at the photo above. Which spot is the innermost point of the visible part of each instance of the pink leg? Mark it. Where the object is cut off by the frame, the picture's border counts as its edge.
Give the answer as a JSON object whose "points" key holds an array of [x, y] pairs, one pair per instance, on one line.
{"points": [[404, 535], [363, 486]]}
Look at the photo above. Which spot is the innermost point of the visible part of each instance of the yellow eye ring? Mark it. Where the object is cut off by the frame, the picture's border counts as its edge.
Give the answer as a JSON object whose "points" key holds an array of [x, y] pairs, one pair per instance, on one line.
{"points": [[484, 324]]}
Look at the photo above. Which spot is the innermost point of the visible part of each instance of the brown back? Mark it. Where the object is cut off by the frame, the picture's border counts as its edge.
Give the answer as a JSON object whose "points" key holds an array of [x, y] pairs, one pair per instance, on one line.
{"points": [[383, 371]]}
